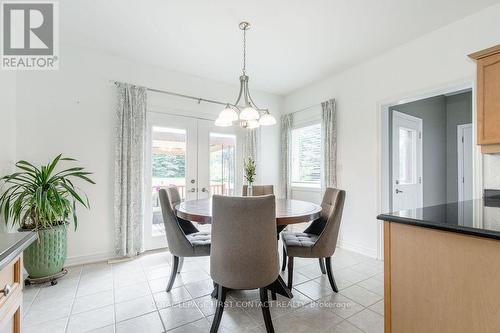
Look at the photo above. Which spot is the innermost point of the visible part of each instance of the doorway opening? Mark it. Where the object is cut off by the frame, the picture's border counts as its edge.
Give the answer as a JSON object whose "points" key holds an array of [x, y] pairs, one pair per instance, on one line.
{"points": [[431, 151]]}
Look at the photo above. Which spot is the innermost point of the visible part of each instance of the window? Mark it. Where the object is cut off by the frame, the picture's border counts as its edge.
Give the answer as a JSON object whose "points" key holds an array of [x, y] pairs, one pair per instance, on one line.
{"points": [[306, 156]]}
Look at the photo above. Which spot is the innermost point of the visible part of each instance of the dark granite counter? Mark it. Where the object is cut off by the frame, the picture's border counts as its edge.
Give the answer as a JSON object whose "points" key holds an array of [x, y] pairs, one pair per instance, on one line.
{"points": [[11, 245], [474, 217]]}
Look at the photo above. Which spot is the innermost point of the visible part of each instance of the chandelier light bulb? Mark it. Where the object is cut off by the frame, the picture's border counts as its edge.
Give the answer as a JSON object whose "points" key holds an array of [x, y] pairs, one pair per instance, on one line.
{"points": [[228, 114], [249, 113], [223, 122], [267, 119], [251, 124]]}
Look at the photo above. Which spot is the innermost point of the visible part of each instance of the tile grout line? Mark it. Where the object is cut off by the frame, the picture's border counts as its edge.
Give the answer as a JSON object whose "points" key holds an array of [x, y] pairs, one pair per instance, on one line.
{"points": [[74, 299]]}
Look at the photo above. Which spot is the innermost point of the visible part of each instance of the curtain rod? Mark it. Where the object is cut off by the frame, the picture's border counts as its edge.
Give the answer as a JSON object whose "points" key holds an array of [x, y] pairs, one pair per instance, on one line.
{"points": [[306, 108], [198, 99]]}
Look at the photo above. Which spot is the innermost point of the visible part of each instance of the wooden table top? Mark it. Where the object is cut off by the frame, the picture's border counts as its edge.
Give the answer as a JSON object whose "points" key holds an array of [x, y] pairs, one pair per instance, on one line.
{"points": [[287, 211]]}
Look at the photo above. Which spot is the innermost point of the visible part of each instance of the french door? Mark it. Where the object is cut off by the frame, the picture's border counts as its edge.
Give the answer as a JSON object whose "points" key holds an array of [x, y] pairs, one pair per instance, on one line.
{"points": [[195, 156]]}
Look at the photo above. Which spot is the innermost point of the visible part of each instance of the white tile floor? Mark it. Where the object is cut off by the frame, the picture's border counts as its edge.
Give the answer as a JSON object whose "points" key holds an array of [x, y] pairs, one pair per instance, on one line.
{"points": [[131, 297]]}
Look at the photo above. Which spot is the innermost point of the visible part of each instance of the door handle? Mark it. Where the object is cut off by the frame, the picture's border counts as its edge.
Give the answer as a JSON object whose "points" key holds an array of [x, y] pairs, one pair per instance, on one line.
{"points": [[6, 290], [205, 190], [398, 191], [192, 190]]}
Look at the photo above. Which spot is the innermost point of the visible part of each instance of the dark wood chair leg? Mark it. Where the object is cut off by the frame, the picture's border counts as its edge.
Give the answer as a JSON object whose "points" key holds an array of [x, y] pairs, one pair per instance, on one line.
{"points": [[221, 299], [283, 266], [264, 305], [328, 262], [322, 265], [290, 272], [214, 292], [173, 273]]}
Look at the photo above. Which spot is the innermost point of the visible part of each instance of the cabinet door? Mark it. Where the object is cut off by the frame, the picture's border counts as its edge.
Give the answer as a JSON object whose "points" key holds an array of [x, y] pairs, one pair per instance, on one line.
{"points": [[488, 100]]}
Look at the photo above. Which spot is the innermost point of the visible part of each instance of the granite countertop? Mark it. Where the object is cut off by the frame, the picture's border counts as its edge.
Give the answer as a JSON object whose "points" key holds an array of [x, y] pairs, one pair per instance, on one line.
{"points": [[474, 217], [12, 244]]}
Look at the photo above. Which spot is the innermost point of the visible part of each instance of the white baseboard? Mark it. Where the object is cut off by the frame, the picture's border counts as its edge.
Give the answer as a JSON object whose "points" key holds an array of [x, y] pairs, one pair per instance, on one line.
{"points": [[89, 258], [358, 248]]}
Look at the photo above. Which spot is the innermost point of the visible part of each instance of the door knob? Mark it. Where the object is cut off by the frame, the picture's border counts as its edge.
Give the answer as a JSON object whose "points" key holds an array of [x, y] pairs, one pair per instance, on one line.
{"points": [[399, 191], [204, 190], [192, 190], [6, 290]]}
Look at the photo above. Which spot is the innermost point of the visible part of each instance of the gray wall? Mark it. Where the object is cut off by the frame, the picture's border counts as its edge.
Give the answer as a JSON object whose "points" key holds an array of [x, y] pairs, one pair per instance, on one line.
{"points": [[458, 112], [440, 117], [432, 111]]}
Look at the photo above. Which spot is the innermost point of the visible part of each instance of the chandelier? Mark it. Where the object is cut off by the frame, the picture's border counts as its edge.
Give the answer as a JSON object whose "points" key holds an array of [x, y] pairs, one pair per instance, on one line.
{"points": [[244, 111]]}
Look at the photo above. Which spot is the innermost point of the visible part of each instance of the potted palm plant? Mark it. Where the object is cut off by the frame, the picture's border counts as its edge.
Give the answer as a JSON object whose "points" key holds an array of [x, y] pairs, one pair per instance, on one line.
{"points": [[43, 200]]}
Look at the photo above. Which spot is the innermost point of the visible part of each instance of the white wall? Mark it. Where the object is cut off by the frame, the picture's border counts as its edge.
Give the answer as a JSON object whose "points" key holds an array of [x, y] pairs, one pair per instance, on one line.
{"points": [[7, 125], [433, 61], [71, 111]]}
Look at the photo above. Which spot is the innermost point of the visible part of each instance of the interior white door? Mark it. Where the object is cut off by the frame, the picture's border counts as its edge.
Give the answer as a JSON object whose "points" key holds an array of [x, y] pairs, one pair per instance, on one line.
{"points": [[464, 157], [407, 180]]}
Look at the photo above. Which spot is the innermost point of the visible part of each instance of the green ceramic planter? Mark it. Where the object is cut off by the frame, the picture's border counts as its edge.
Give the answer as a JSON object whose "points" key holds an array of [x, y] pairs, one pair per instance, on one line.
{"points": [[46, 256]]}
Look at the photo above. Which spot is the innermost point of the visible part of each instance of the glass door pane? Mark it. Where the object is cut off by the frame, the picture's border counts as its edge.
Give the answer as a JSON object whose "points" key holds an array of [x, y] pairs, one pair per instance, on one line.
{"points": [[222, 163], [168, 165]]}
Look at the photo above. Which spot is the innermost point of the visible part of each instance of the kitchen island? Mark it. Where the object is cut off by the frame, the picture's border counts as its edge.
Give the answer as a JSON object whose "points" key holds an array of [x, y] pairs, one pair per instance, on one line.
{"points": [[12, 246], [442, 268]]}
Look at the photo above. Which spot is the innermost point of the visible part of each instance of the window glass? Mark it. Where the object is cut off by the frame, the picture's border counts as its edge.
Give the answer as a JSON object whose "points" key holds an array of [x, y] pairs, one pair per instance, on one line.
{"points": [[306, 156], [407, 156]]}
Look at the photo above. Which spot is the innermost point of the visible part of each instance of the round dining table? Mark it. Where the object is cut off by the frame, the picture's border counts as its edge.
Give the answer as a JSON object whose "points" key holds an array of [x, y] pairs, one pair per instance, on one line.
{"points": [[288, 211]]}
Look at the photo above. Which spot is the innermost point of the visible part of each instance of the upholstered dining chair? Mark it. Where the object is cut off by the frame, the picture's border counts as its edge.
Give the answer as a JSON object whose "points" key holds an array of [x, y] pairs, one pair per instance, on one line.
{"points": [[175, 198], [258, 190], [319, 239], [196, 244], [244, 249]]}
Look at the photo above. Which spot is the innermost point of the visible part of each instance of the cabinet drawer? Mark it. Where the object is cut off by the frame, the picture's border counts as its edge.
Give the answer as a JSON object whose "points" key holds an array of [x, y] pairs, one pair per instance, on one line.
{"points": [[10, 302], [10, 279]]}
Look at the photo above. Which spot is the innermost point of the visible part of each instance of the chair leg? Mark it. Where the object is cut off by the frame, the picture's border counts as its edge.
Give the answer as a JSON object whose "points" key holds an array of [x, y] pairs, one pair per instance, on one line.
{"points": [[181, 264], [273, 295], [214, 292], [290, 272], [221, 299], [173, 273], [283, 266], [322, 265], [264, 305], [328, 262]]}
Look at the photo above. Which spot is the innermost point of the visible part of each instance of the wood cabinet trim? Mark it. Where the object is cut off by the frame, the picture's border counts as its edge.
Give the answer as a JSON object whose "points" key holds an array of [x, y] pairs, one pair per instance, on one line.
{"points": [[485, 53], [387, 277]]}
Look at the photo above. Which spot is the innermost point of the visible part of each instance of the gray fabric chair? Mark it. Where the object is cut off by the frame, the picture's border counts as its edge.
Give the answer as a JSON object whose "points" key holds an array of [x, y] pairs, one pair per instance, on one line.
{"points": [[258, 190], [244, 249], [180, 245], [175, 199], [321, 245]]}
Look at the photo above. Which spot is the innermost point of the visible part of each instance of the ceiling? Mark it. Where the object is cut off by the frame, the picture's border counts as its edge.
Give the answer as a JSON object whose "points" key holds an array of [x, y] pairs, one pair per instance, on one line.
{"points": [[292, 42]]}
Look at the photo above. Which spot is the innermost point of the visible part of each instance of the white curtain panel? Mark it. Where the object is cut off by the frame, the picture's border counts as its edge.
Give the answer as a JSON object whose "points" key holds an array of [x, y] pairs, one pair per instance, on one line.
{"points": [[329, 137], [286, 155], [252, 143], [129, 169]]}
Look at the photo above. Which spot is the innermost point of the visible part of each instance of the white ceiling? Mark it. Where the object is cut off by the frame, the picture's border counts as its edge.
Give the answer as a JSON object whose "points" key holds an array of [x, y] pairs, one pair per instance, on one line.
{"points": [[291, 44]]}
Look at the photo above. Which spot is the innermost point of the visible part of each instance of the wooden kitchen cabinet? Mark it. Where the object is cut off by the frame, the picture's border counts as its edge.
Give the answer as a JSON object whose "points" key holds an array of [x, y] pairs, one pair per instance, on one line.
{"points": [[11, 286], [488, 99]]}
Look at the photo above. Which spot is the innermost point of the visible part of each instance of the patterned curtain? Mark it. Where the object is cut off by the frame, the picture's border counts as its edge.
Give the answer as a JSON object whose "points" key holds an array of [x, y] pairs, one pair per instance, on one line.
{"points": [[286, 155], [129, 169], [329, 137]]}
